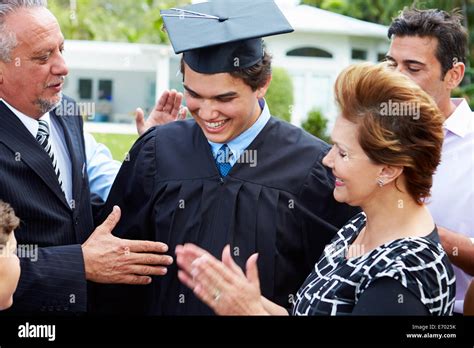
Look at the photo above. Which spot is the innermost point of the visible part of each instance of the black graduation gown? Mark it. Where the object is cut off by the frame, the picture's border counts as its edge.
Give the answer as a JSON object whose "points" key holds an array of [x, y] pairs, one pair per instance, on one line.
{"points": [[170, 190]]}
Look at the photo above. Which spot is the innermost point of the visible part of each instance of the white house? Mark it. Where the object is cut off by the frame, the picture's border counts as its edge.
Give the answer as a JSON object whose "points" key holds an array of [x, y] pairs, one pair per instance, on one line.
{"points": [[118, 77], [322, 44]]}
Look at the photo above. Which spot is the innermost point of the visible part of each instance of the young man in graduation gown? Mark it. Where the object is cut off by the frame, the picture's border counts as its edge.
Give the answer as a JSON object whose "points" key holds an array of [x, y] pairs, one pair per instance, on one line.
{"points": [[232, 175]]}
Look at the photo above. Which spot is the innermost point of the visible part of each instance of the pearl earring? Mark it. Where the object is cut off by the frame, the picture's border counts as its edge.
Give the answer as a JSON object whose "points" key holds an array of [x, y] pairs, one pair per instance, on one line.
{"points": [[380, 182]]}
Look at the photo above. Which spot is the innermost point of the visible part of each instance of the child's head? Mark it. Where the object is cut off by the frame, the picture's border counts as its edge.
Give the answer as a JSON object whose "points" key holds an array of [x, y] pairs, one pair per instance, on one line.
{"points": [[8, 222], [9, 262]]}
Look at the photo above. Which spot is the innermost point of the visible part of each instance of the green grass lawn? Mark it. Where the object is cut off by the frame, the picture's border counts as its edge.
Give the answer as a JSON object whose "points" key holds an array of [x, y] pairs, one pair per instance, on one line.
{"points": [[118, 144]]}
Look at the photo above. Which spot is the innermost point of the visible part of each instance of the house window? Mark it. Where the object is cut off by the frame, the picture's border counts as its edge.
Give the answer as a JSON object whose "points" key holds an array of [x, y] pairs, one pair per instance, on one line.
{"points": [[105, 90], [381, 57], [312, 52], [358, 54], [85, 89]]}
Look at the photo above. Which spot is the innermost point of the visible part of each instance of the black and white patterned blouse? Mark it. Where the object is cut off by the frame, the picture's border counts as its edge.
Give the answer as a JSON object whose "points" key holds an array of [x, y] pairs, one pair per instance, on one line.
{"points": [[336, 283]]}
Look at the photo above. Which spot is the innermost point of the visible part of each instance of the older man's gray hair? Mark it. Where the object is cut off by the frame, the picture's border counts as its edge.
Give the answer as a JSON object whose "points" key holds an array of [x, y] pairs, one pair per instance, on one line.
{"points": [[7, 39]]}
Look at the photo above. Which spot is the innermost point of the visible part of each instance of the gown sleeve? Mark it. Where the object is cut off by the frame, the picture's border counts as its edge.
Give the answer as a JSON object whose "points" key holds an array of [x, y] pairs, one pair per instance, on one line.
{"points": [[133, 190]]}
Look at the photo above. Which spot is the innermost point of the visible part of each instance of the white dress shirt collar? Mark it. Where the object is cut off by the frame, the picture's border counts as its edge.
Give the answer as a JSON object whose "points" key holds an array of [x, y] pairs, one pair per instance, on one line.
{"points": [[460, 122], [29, 122]]}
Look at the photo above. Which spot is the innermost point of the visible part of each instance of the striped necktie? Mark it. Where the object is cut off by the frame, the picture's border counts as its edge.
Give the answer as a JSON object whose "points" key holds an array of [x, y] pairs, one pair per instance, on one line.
{"points": [[43, 138], [223, 160]]}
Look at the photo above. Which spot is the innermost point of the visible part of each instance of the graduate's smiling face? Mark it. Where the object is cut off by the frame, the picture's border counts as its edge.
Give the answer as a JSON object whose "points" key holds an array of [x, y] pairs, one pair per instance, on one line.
{"points": [[222, 105], [31, 80], [355, 174]]}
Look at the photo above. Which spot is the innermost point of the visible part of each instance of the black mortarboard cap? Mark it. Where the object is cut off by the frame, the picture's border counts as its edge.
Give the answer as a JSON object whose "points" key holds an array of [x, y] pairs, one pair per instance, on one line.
{"points": [[223, 35]]}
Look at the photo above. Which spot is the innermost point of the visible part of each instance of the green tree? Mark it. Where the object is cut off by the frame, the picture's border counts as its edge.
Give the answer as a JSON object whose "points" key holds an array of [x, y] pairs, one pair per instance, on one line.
{"points": [[316, 124], [136, 21], [280, 94], [383, 11]]}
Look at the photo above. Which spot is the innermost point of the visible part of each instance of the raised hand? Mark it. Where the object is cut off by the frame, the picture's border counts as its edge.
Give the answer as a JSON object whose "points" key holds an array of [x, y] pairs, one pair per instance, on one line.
{"points": [[167, 109]]}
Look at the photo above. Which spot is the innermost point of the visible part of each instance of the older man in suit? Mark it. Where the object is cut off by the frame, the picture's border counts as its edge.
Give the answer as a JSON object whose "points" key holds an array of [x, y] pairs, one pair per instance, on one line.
{"points": [[43, 174]]}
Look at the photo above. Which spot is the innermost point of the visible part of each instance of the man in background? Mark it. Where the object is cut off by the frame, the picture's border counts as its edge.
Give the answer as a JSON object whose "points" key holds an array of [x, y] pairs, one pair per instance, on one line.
{"points": [[430, 46]]}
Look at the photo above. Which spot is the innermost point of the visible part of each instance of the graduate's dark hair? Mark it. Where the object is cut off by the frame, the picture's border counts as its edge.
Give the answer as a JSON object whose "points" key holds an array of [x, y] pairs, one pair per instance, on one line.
{"points": [[444, 26], [365, 93], [255, 76], [8, 222]]}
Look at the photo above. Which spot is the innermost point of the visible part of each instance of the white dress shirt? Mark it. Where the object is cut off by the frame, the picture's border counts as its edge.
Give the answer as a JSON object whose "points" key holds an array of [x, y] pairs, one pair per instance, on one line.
{"points": [[452, 194]]}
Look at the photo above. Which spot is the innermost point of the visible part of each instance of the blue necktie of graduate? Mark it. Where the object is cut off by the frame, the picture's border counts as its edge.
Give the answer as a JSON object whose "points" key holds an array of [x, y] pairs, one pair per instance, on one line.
{"points": [[223, 160]]}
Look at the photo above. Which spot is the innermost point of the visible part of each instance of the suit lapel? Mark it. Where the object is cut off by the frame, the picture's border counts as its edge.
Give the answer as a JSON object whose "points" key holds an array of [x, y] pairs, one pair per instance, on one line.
{"points": [[73, 144], [16, 137]]}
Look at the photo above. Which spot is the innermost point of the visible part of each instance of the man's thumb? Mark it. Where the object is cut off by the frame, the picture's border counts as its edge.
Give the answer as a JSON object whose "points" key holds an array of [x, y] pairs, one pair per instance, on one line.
{"points": [[183, 112], [112, 220], [139, 119]]}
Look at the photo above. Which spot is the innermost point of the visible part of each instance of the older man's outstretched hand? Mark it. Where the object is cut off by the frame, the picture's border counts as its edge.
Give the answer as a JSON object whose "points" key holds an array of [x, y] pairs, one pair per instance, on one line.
{"points": [[109, 259]]}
